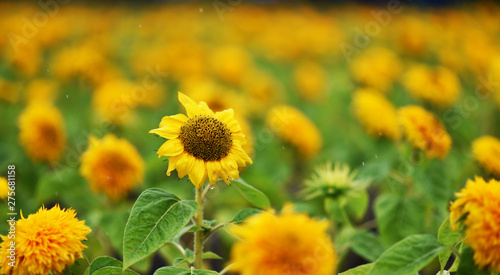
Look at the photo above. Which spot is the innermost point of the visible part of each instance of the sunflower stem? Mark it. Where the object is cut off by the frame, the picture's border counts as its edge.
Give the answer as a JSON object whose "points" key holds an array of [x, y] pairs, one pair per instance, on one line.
{"points": [[198, 235]]}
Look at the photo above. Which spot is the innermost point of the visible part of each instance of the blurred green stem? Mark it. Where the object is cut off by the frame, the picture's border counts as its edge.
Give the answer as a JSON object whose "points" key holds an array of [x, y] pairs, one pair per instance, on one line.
{"points": [[198, 235]]}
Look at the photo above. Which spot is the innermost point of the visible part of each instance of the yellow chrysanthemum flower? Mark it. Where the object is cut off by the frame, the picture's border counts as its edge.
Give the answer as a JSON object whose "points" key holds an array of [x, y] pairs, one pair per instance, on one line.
{"points": [[297, 244], [4, 188], [439, 86], [424, 131], [477, 207], [48, 241], [376, 113], [310, 80], [202, 144], [376, 68], [112, 165], [486, 151], [296, 128], [42, 132]]}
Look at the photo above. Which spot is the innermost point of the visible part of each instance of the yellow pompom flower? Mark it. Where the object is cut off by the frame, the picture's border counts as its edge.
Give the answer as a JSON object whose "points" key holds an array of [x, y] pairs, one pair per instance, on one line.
{"points": [[202, 144], [310, 80], [4, 188], [477, 208], [424, 131], [291, 125], [486, 151], [376, 113], [290, 243], [112, 165], [438, 86], [376, 68], [47, 241], [42, 132]]}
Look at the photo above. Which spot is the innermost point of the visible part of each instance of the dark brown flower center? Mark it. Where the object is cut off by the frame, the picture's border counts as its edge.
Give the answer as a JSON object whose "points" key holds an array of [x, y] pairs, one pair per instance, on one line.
{"points": [[206, 138]]}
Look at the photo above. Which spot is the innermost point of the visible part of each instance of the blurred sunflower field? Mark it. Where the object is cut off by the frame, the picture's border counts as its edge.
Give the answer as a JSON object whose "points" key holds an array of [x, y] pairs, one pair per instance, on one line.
{"points": [[234, 137]]}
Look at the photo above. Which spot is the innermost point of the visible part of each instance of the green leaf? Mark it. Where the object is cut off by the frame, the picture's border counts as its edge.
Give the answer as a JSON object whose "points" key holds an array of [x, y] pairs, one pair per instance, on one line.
{"points": [[245, 213], [170, 270], [114, 271], [251, 194], [107, 265], [357, 203], [194, 228], [466, 266], [367, 245], [156, 217], [407, 256], [359, 270], [210, 255], [335, 208], [448, 238], [398, 217]]}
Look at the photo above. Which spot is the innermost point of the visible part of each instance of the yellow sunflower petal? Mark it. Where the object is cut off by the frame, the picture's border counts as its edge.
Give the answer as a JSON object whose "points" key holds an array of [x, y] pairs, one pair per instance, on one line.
{"points": [[185, 165], [171, 147], [240, 155], [192, 108], [204, 107], [214, 170], [197, 174], [231, 167], [227, 117], [173, 163], [173, 121], [167, 132]]}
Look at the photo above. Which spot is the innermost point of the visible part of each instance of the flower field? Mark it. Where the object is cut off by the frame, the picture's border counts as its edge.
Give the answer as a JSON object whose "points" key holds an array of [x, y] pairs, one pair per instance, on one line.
{"points": [[233, 137]]}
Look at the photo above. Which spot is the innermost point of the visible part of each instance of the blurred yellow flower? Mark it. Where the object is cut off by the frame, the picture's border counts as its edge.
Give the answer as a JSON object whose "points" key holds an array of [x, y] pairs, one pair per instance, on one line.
{"points": [[42, 90], [290, 124], [4, 188], [310, 80], [376, 68], [262, 91], [476, 207], [9, 91], [289, 243], [424, 131], [231, 63], [486, 151], [376, 113], [438, 85], [202, 144], [47, 241], [42, 132], [113, 101], [112, 165]]}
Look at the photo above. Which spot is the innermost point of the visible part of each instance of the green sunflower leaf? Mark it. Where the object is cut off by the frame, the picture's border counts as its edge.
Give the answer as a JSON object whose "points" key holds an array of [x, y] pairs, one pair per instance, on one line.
{"points": [[170, 270], [245, 213], [108, 265], [407, 256], [252, 194], [156, 217]]}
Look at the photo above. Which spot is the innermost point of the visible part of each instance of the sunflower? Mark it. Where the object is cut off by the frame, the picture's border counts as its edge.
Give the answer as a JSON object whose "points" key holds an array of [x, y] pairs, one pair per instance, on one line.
{"points": [[202, 144], [112, 165], [477, 208], [47, 241], [376, 113], [113, 101], [42, 132], [424, 131], [486, 151], [297, 244], [4, 188], [42, 90], [293, 126]]}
